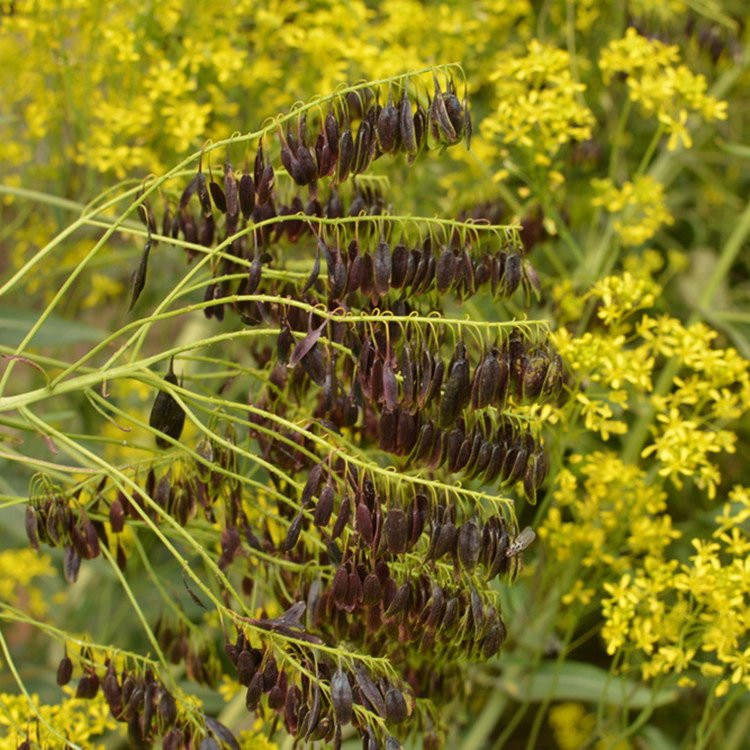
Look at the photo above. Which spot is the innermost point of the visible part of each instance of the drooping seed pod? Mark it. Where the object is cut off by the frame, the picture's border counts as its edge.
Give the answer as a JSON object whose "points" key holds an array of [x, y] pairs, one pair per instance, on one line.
{"points": [[457, 388], [445, 270], [324, 507], [138, 280], [31, 522], [264, 185], [487, 378], [292, 536], [399, 265], [406, 432], [382, 268], [346, 154], [332, 133], [370, 690], [446, 539], [341, 697], [469, 544], [232, 198], [396, 531], [371, 590], [247, 195], [254, 692], [406, 128], [534, 375], [64, 671], [167, 416], [387, 430], [344, 514], [88, 686], [396, 709], [364, 522], [71, 564], [217, 194], [399, 603], [387, 127]]}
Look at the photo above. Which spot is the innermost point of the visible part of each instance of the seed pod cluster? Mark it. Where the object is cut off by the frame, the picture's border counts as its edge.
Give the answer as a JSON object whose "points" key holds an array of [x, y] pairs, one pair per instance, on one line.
{"points": [[308, 712], [137, 698]]}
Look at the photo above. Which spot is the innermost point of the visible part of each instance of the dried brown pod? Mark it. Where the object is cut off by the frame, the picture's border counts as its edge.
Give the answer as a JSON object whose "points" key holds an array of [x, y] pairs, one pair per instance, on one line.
{"points": [[167, 416], [370, 690], [264, 184], [71, 564], [31, 523], [341, 697]]}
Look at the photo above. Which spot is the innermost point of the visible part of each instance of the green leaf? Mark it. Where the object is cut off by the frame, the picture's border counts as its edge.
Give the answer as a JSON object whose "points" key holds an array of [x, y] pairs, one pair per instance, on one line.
{"points": [[578, 681], [56, 331]]}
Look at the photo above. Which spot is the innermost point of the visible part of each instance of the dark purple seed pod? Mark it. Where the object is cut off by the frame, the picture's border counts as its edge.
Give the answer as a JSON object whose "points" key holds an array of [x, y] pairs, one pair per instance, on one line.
{"points": [[31, 522], [88, 686], [117, 516], [390, 385], [217, 194], [308, 170], [291, 708], [370, 690], [435, 608], [346, 154], [167, 416], [457, 389], [534, 375], [495, 464], [440, 123], [382, 268], [364, 522], [436, 380], [387, 128], [396, 710], [247, 665], [486, 379], [362, 144], [399, 603], [312, 485], [203, 196], [292, 535], [345, 511], [455, 113], [453, 448], [231, 197], [396, 531], [247, 195], [406, 128], [493, 639], [324, 506], [420, 126], [64, 671], [483, 458], [450, 616], [387, 430], [425, 442], [511, 274], [254, 692], [340, 586], [514, 466], [331, 127], [445, 270], [166, 708], [399, 263], [446, 540], [367, 274], [371, 590], [270, 674], [264, 185], [315, 364], [477, 613], [341, 697], [469, 544], [406, 432]]}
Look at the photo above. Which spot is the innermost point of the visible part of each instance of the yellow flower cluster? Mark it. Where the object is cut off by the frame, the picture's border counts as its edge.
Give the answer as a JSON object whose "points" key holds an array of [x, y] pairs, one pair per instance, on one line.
{"points": [[640, 204], [538, 108], [18, 569], [605, 514], [76, 720], [619, 361], [660, 84], [694, 616]]}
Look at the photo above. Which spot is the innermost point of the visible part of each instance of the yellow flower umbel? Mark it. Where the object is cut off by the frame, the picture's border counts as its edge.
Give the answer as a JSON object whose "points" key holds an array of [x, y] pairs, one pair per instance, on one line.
{"points": [[660, 85], [538, 106], [690, 618]]}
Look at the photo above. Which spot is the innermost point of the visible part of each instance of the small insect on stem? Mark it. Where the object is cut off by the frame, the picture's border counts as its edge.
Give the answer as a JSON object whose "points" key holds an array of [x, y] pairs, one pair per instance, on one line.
{"points": [[521, 542]]}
